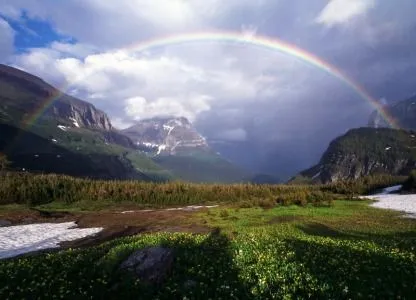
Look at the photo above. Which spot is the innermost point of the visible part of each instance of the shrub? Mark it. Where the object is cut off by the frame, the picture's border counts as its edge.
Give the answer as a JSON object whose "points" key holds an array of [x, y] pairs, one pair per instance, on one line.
{"points": [[4, 162], [410, 184]]}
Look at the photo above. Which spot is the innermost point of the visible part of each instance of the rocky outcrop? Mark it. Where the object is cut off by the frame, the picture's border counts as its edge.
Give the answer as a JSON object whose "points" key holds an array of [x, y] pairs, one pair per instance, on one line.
{"points": [[24, 93], [166, 136], [150, 265], [366, 151], [79, 113]]}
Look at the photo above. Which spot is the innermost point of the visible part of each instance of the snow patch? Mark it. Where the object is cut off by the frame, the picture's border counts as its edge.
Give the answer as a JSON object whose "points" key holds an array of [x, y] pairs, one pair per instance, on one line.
{"points": [[134, 211], [150, 145], [388, 148], [62, 127], [404, 203], [191, 207], [160, 149], [316, 175], [75, 122], [169, 128], [53, 140], [186, 208], [391, 189], [16, 240]]}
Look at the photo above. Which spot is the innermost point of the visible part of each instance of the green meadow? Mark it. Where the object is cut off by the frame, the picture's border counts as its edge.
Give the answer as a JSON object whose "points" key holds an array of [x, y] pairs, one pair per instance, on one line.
{"points": [[348, 250]]}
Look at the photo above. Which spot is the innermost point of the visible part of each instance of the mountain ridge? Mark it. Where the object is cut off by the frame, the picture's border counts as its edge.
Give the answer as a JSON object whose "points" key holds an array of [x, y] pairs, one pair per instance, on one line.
{"points": [[78, 129], [362, 152]]}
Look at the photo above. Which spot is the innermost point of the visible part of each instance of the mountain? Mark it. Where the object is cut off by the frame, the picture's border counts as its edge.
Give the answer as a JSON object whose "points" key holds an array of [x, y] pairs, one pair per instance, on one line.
{"points": [[364, 151], [176, 145], [169, 135], [70, 129], [71, 136], [23, 93], [403, 112]]}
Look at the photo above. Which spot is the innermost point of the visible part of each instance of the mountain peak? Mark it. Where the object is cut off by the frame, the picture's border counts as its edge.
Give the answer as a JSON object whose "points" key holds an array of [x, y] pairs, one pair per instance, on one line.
{"points": [[168, 135]]}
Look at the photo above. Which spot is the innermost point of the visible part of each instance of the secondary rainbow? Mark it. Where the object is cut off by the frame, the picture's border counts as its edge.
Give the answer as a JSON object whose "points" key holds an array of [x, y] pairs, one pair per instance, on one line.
{"points": [[229, 37]]}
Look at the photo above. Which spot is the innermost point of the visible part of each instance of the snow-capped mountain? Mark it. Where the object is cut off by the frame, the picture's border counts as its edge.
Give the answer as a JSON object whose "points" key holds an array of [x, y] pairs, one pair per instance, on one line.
{"points": [[169, 135]]}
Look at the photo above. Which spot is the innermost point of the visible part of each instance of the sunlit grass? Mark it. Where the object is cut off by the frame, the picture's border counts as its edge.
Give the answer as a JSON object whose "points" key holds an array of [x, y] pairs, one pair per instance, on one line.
{"points": [[349, 250]]}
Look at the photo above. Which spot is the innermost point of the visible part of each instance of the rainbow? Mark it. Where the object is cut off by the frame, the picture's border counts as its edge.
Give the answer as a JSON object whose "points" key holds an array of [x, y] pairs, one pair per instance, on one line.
{"points": [[263, 42]]}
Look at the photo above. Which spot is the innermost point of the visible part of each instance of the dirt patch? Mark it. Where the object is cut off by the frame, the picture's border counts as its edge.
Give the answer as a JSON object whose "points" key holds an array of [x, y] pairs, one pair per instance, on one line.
{"points": [[114, 224], [31, 216]]}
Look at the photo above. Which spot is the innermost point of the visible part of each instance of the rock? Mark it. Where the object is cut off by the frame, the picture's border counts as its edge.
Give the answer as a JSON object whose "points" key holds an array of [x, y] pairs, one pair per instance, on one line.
{"points": [[4, 223], [151, 265]]}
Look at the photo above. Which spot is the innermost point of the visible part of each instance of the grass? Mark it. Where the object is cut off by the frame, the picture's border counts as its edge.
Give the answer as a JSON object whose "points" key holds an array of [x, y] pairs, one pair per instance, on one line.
{"points": [[348, 250]]}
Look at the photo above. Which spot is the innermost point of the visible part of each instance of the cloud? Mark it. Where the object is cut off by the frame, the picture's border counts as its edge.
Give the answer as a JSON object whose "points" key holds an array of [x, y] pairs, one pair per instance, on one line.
{"points": [[237, 134], [139, 108], [233, 92], [119, 123], [339, 12], [134, 85], [6, 40], [249, 31], [120, 23]]}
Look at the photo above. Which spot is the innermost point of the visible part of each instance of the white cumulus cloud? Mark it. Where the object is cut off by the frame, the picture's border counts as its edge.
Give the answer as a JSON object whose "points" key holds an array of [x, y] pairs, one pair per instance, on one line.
{"points": [[338, 12], [6, 39]]}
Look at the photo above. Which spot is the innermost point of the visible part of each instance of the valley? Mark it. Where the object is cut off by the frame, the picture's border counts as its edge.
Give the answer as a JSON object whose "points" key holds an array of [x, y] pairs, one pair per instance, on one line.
{"points": [[208, 149]]}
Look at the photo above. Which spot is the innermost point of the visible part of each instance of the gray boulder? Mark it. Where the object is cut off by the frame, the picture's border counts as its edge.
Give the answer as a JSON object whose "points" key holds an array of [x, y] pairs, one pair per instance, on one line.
{"points": [[150, 265]]}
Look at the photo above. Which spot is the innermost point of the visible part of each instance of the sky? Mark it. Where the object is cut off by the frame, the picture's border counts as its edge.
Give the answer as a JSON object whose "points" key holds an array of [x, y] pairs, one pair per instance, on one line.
{"points": [[241, 97]]}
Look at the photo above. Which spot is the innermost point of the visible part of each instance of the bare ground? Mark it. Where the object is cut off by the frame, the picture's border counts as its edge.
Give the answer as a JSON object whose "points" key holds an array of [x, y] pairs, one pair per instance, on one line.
{"points": [[115, 223]]}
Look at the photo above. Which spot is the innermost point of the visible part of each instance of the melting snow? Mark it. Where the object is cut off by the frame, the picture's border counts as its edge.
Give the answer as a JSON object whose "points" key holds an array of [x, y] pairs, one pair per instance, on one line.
{"points": [[316, 175], [62, 127], [150, 145], [191, 207], [75, 122], [160, 149], [404, 203], [15, 240], [133, 211], [169, 128]]}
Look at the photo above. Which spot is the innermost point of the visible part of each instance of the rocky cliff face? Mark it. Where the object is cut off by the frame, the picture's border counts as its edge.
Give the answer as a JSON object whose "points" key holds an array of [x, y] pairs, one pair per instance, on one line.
{"points": [[403, 112], [366, 151], [24, 94], [80, 114], [166, 136]]}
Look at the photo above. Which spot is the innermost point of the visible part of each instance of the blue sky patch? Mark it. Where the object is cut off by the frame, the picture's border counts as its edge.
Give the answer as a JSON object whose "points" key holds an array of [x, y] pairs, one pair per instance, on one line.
{"points": [[33, 33]]}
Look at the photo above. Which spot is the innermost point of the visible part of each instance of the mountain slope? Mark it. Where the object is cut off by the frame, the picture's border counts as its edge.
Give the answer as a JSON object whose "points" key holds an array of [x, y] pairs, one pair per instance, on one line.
{"points": [[31, 152], [365, 151], [74, 130], [75, 127], [179, 148], [166, 136]]}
